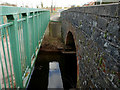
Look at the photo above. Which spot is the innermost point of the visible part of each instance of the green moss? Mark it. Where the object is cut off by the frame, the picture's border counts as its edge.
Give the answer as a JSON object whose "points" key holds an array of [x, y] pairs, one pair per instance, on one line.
{"points": [[105, 35], [113, 72], [100, 61], [80, 23]]}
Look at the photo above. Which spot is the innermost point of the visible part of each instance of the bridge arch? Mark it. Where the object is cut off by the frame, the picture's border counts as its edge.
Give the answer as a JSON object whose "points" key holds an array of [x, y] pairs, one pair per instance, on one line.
{"points": [[71, 45]]}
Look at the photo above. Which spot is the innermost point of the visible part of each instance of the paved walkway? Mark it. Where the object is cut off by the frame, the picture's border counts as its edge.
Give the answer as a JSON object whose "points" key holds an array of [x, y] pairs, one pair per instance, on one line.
{"points": [[55, 17]]}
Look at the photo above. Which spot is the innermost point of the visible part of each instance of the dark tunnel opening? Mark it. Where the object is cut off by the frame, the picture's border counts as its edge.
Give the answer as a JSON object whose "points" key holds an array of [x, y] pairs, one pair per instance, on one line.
{"points": [[70, 44], [69, 64]]}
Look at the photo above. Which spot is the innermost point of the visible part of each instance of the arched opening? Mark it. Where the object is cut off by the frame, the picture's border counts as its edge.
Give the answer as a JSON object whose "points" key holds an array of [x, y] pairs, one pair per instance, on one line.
{"points": [[69, 65], [70, 44]]}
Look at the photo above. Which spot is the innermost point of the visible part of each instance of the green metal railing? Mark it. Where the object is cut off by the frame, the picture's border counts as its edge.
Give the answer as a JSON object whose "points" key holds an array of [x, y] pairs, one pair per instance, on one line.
{"points": [[21, 33]]}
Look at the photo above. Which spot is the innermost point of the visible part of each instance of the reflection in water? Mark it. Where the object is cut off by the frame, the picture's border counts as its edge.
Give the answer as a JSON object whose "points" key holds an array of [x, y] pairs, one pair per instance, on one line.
{"points": [[54, 70], [55, 80]]}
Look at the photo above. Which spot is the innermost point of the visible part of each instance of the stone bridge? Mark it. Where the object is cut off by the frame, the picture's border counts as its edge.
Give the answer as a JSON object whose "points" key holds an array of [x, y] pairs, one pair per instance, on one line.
{"points": [[94, 32]]}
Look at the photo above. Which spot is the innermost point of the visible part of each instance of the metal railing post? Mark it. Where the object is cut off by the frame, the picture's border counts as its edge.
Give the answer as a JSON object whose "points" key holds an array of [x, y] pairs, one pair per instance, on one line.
{"points": [[33, 32], [26, 37], [14, 44]]}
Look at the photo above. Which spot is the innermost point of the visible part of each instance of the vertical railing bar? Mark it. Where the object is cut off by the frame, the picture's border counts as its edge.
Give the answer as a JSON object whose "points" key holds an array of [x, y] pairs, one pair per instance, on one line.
{"points": [[5, 57], [18, 28], [31, 37], [44, 23], [34, 32], [2, 71], [26, 38], [9, 59], [20, 38], [40, 26], [20, 44], [2, 34], [14, 44], [37, 30]]}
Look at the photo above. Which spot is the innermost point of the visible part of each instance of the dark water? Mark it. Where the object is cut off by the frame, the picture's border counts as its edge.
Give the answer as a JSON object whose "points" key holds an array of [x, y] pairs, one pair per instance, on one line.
{"points": [[53, 69]]}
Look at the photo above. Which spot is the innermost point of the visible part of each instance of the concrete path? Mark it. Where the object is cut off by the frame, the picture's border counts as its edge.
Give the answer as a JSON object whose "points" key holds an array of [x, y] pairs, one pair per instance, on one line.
{"points": [[55, 17]]}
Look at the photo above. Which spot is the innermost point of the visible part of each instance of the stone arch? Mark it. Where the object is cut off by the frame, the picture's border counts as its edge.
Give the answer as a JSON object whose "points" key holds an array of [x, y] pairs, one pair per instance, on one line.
{"points": [[71, 44]]}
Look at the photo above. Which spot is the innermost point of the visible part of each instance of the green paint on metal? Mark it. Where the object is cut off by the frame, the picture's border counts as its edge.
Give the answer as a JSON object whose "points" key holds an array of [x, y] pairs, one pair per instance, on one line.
{"points": [[9, 10], [25, 28], [3, 47], [13, 34], [8, 52], [6, 25]]}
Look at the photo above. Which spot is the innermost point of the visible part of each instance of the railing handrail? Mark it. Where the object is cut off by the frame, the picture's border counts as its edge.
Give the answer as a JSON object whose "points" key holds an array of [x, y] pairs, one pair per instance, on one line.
{"points": [[10, 10]]}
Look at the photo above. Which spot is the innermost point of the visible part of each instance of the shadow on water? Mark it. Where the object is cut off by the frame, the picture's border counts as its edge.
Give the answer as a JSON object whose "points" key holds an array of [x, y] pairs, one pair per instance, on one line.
{"points": [[54, 69]]}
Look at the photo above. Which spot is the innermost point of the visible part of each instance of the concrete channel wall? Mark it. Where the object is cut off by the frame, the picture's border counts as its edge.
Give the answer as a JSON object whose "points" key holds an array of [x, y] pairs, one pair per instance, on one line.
{"points": [[96, 32]]}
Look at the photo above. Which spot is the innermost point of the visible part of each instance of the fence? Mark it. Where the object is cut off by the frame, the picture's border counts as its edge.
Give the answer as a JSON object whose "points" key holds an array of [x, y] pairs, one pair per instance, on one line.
{"points": [[21, 34]]}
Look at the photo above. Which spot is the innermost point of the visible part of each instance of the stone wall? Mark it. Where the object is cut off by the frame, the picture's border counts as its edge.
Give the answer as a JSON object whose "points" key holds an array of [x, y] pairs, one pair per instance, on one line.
{"points": [[55, 29], [96, 32]]}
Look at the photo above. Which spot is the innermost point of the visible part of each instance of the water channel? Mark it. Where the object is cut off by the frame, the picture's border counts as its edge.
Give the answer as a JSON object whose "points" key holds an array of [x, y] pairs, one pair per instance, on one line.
{"points": [[54, 69]]}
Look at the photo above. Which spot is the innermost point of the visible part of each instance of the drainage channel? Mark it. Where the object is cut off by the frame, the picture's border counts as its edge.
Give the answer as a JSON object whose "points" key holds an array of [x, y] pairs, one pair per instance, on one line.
{"points": [[55, 80], [54, 69]]}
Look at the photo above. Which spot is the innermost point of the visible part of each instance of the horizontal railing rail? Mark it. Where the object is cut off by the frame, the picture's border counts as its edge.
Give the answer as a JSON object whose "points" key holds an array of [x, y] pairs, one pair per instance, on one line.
{"points": [[21, 33]]}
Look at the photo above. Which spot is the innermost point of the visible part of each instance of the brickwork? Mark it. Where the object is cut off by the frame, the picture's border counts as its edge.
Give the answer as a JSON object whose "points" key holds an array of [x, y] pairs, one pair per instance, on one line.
{"points": [[96, 32]]}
